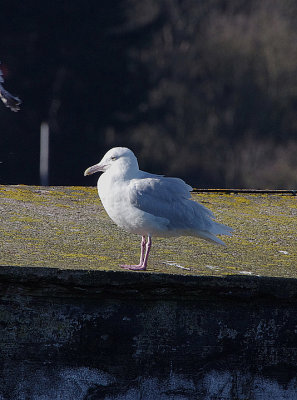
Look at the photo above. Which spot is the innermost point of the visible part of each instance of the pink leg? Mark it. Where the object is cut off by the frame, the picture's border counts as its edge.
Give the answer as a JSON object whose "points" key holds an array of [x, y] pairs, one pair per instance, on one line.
{"points": [[143, 258], [148, 248], [142, 246]]}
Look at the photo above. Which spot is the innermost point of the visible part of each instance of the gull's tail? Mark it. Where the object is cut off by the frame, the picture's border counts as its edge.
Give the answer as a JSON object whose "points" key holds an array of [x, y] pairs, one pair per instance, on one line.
{"points": [[216, 229]]}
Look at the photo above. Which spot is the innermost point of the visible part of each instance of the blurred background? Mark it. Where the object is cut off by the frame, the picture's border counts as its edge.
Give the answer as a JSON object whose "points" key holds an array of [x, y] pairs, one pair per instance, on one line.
{"points": [[203, 90]]}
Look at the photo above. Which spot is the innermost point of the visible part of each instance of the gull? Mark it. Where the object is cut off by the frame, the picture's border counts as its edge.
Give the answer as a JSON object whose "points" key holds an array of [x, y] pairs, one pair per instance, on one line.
{"points": [[151, 205], [8, 99]]}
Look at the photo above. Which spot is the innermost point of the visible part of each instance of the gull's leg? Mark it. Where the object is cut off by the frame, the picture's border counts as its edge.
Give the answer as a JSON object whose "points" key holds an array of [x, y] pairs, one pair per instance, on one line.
{"points": [[143, 257], [143, 243], [148, 248]]}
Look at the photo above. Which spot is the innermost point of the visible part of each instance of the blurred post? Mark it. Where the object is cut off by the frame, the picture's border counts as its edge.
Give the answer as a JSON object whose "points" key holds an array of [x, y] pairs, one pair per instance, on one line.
{"points": [[44, 154]]}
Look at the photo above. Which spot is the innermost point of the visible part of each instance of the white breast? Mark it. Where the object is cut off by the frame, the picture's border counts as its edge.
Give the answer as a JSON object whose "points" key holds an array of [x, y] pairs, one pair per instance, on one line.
{"points": [[114, 196]]}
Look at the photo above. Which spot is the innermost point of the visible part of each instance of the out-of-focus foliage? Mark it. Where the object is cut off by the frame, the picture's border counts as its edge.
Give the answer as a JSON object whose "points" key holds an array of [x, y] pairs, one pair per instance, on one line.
{"points": [[203, 90]]}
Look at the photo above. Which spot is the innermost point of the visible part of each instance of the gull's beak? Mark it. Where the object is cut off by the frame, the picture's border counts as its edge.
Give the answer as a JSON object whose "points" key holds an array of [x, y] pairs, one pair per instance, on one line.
{"points": [[94, 168]]}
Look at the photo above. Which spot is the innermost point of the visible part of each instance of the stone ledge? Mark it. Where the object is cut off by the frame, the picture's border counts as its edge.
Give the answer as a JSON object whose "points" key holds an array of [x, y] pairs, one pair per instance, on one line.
{"points": [[67, 228], [54, 282]]}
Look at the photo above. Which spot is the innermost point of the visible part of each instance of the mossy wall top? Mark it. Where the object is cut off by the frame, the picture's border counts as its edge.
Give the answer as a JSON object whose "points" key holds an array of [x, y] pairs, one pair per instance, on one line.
{"points": [[67, 227]]}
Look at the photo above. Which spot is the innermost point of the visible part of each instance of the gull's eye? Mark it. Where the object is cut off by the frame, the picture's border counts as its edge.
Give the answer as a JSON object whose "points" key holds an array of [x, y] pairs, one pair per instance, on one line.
{"points": [[113, 158]]}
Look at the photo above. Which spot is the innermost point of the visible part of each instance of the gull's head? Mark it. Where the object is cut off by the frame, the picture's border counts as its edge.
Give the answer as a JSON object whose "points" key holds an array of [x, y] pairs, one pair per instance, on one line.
{"points": [[118, 158]]}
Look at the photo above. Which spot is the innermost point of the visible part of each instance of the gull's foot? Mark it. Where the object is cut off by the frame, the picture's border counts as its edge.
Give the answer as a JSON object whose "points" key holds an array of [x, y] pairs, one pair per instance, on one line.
{"points": [[134, 267]]}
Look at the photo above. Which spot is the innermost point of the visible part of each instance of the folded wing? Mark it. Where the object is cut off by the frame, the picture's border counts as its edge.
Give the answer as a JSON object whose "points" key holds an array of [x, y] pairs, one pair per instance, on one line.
{"points": [[170, 198]]}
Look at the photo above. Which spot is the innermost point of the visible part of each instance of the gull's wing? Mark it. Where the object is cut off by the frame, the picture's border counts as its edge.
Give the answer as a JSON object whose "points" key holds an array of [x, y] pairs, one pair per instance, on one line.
{"points": [[8, 99], [169, 198]]}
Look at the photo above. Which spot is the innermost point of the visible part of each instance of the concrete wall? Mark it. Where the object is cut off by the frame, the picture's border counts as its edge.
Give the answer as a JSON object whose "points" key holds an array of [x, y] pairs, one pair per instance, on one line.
{"points": [[119, 335]]}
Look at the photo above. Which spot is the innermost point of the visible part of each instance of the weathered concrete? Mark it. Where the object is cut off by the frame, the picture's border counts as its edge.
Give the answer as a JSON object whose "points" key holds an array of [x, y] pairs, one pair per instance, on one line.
{"points": [[115, 335], [74, 326]]}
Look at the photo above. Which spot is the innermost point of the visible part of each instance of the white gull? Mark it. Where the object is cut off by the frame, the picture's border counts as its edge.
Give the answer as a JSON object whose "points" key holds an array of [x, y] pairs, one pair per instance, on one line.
{"points": [[151, 205]]}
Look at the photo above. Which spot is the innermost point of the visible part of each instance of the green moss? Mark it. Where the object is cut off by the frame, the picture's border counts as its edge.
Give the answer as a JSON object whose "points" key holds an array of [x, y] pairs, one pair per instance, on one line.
{"points": [[66, 227]]}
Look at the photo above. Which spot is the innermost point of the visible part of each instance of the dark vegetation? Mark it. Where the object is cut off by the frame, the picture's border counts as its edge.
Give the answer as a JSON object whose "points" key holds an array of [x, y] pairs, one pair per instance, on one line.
{"points": [[206, 90]]}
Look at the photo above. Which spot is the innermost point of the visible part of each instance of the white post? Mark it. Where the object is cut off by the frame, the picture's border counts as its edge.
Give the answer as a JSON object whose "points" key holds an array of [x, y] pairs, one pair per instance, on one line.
{"points": [[44, 153]]}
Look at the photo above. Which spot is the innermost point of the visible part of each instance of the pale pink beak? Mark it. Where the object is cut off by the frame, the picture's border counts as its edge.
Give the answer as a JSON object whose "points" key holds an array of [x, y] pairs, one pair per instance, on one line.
{"points": [[94, 168]]}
